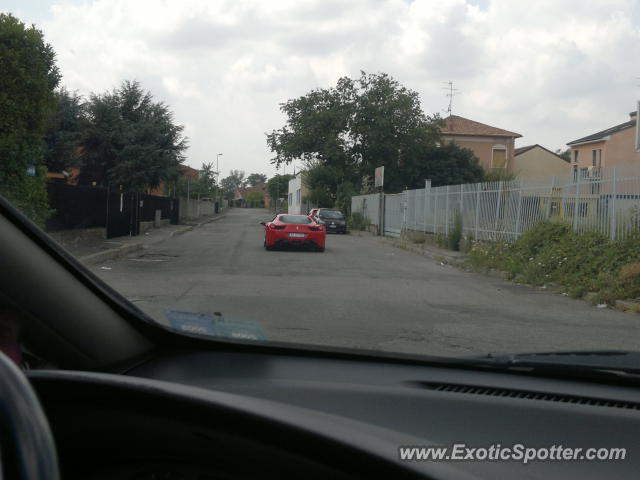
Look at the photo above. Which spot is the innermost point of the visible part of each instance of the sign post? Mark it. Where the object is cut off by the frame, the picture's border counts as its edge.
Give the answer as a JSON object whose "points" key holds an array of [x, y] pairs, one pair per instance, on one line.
{"points": [[379, 183]]}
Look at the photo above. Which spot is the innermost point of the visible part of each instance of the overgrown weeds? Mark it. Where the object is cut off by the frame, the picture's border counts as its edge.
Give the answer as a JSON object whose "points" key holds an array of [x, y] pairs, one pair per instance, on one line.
{"points": [[552, 253]]}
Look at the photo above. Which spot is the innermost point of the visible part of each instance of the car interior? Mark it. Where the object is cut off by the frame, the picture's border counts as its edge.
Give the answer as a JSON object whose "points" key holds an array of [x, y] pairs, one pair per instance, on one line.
{"points": [[104, 392]]}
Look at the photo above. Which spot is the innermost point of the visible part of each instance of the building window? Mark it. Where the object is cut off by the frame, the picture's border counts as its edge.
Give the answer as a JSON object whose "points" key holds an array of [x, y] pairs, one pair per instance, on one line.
{"points": [[594, 157], [290, 198], [575, 156], [298, 192], [499, 157]]}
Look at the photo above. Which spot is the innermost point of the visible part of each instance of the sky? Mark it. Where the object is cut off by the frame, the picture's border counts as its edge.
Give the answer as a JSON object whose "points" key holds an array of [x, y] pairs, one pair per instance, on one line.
{"points": [[551, 70]]}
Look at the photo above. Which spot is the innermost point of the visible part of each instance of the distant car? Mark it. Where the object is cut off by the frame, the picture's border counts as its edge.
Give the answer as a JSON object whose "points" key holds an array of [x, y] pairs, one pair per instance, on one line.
{"points": [[294, 230], [332, 219]]}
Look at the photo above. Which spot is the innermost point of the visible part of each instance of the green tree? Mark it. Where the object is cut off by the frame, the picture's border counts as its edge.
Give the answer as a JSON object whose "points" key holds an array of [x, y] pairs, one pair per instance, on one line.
{"points": [[278, 186], [28, 79], [63, 138], [230, 184], [131, 140], [254, 199], [343, 133], [256, 179], [448, 164], [564, 154]]}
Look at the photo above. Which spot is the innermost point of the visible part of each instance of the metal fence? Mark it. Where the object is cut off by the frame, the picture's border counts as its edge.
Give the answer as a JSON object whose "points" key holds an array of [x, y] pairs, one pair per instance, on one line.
{"points": [[605, 200]]}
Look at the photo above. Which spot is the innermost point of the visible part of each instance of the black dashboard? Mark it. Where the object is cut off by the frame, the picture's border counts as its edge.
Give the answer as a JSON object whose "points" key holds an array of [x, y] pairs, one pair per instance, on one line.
{"points": [[220, 415]]}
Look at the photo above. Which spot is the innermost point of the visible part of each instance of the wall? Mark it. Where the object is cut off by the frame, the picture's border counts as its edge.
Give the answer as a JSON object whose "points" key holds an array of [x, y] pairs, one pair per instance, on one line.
{"points": [[295, 200], [192, 208], [537, 162], [483, 147]]}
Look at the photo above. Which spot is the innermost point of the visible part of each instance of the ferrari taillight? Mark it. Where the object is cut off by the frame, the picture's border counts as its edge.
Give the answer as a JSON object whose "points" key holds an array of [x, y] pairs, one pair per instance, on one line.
{"points": [[278, 227]]}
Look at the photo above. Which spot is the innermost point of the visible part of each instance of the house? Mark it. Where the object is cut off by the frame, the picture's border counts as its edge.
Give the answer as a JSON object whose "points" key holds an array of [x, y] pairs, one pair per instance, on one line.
{"points": [[243, 196], [607, 148], [188, 173], [534, 161], [298, 192], [493, 146]]}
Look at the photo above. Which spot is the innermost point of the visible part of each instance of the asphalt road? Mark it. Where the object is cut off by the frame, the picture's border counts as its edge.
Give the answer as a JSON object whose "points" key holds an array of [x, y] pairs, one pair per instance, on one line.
{"points": [[360, 293]]}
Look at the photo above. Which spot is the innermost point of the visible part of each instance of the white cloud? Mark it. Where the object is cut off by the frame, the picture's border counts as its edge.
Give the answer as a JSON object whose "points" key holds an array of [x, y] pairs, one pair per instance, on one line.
{"points": [[552, 71]]}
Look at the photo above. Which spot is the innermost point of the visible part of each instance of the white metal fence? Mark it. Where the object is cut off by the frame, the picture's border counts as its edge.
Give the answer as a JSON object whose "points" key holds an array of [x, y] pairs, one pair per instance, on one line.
{"points": [[605, 200]]}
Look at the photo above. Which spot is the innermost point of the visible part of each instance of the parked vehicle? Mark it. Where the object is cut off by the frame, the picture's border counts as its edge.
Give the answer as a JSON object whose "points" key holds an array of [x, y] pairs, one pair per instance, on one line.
{"points": [[333, 220], [294, 230]]}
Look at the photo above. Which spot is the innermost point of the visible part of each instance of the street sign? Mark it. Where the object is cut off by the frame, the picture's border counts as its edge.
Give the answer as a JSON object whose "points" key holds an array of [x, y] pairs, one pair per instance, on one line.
{"points": [[379, 177]]}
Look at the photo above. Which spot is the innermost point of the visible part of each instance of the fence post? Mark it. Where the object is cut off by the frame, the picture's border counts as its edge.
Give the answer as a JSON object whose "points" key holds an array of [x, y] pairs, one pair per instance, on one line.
{"points": [[495, 225], [575, 205], [477, 209], [427, 191], [435, 213], [612, 233], [518, 214], [446, 214]]}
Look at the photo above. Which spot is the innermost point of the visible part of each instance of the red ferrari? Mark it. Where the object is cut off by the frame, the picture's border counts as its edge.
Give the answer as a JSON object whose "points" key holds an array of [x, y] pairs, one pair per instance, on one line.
{"points": [[294, 230]]}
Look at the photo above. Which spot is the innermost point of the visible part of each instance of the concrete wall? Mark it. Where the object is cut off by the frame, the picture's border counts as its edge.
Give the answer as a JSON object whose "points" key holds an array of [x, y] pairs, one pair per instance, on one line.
{"points": [[192, 208], [538, 162]]}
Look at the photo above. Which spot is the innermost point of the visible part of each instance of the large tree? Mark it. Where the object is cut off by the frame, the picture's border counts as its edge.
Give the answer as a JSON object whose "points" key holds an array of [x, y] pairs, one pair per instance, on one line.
{"points": [[234, 181], [63, 138], [256, 179], [131, 140], [28, 79], [343, 133], [278, 186]]}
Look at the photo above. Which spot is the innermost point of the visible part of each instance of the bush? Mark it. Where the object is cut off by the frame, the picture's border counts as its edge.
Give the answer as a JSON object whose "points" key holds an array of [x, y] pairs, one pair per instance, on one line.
{"points": [[357, 221], [580, 262]]}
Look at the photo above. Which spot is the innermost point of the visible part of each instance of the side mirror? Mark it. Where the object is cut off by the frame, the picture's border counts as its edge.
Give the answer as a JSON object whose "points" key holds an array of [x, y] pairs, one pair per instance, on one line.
{"points": [[263, 224]]}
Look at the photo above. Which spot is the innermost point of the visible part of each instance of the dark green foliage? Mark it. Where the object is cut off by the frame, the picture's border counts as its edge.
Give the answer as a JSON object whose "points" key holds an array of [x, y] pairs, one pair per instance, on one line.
{"points": [[131, 140], [256, 179], [63, 138], [580, 262], [28, 78], [278, 186]]}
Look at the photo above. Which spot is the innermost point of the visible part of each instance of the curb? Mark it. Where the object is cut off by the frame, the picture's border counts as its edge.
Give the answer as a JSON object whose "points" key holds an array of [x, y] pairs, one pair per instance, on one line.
{"points": [[196, 225], [125, 250], [110, 254], [446, 259]]}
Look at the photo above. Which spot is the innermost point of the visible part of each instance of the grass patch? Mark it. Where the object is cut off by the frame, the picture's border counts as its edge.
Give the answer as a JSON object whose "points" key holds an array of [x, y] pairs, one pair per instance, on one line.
{"points": [[552, 253]]}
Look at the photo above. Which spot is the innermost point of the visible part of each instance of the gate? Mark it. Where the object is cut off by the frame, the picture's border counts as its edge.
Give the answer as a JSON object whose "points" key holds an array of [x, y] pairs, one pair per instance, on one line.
{"points": [[122, 214], [393, 214]]}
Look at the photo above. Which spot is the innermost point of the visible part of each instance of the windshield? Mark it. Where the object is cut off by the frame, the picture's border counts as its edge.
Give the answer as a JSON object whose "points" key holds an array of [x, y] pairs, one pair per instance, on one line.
{"points": [[482, 157], [299, 219], [330, 214]]}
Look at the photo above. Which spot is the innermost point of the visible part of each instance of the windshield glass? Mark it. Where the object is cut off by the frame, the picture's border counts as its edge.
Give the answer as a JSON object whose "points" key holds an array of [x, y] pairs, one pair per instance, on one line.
{"points": [[299, 219], [482, 157], [330, 214]]}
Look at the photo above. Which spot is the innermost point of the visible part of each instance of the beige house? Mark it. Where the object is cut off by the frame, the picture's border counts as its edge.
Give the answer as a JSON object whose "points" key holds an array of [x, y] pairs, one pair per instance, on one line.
{"points": [[493, 146], [608, 148], [535, 161]]}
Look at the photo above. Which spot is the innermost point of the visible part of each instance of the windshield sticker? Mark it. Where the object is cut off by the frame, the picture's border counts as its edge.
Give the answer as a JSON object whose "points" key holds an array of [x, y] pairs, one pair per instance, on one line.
{"points": [[214, 325]]}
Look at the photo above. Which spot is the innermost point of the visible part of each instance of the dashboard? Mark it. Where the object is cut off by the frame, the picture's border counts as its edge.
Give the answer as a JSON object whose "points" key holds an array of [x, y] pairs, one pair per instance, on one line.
{"points": [[222, 415]]}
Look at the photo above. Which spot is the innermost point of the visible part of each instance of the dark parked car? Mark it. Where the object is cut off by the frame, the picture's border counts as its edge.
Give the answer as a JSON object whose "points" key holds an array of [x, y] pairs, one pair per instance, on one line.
{"points": [[333, 220]]}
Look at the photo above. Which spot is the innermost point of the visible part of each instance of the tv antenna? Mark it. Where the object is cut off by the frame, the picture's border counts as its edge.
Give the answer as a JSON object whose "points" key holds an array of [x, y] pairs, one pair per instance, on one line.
{"points": [[451, 92]]}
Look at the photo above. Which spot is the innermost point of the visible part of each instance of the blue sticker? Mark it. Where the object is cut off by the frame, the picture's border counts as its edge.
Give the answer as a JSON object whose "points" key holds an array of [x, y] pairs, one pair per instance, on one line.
{"points": [[214, 325]]}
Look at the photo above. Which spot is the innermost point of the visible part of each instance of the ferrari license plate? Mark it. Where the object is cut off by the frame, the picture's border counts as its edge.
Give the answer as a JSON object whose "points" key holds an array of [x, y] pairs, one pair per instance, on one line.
{"points": [[297, 235]]}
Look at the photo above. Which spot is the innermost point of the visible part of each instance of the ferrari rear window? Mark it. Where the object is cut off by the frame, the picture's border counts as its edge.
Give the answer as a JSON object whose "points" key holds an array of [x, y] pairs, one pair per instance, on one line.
{"points": [[301, 219]]}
